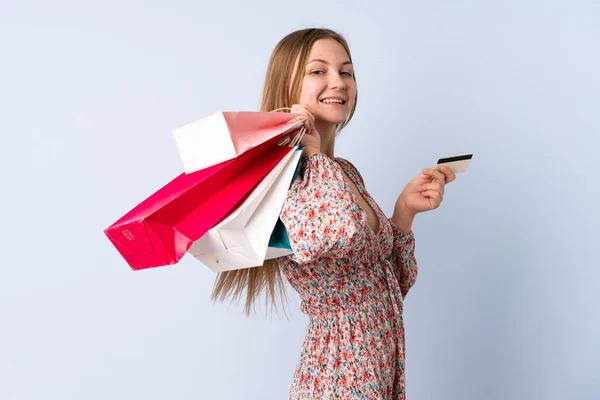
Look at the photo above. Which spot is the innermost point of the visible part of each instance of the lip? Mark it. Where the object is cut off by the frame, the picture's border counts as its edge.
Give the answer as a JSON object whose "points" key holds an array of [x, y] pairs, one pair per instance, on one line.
{"points": [[344, 101]]}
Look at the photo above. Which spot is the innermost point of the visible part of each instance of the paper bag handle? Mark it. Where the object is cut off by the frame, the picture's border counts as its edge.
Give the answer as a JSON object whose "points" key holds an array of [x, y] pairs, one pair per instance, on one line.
{"points": [[294, 142]]}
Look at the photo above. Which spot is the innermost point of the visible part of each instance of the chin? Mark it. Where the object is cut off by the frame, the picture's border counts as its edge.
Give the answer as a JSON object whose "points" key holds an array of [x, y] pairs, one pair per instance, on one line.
{"points": [[337, 121], [334, 118]]}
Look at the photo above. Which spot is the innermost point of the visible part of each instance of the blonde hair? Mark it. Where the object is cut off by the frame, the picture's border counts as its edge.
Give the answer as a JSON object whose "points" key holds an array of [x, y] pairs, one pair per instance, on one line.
{"points": [[282, 87]]}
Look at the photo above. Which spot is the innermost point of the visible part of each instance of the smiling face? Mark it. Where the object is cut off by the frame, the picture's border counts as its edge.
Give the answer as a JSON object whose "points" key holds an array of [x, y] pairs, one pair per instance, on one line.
{"points": [[328, 86]]}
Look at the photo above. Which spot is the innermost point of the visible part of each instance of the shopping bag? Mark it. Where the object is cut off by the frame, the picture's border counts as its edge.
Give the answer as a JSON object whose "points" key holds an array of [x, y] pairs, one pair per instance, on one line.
{"points": [[225, 135], [160, 230], [279, 243], [242, 239]]}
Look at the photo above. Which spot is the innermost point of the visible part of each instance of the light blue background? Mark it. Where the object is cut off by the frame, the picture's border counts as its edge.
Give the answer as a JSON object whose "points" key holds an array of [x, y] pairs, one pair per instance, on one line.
{"points": [[506, 303]]}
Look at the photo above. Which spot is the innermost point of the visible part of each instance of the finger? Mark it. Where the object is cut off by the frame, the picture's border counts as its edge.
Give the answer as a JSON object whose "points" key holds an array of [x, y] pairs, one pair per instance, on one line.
{"points": [[450, 175], [436, 197], [296, 108], [435, 186], [308, 124], [298, 117], [433, 194], [435, 174], [305, 115], [306, 119], [438, 175], [309, 121], [305, 110], [306, 106]]}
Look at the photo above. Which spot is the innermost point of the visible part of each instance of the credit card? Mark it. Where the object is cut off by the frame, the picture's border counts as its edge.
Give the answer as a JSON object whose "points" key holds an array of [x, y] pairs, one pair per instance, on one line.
{"points": [[457, 164]]}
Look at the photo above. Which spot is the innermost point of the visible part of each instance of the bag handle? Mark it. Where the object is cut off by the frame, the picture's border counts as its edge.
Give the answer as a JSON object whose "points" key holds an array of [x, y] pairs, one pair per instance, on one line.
{"points": [[299, 135]]}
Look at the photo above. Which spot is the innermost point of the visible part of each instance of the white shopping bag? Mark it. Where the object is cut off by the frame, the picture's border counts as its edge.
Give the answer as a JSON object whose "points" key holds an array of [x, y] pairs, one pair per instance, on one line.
{"points": [[242, 239], [223, 136]]}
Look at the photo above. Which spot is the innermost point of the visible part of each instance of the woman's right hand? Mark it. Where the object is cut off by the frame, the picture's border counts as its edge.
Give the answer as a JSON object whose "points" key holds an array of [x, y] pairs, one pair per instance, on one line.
{"points": [[311, 140]]}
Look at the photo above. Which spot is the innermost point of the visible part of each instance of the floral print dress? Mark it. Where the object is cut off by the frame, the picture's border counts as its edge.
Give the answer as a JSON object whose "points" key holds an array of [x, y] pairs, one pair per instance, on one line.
{"points": [[352, 282]]}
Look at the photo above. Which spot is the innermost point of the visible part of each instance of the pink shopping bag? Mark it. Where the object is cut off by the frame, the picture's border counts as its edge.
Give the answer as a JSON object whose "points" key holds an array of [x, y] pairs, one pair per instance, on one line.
{"points": [[223, 136]]}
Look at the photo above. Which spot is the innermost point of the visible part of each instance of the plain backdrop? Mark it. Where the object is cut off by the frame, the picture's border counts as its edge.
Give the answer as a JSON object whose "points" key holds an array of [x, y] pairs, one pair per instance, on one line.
{"points": [[506, 303]]}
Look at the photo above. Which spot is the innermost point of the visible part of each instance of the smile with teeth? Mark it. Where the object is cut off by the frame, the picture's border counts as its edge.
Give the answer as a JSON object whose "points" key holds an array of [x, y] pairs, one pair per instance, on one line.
{"points": [[333, 101]]}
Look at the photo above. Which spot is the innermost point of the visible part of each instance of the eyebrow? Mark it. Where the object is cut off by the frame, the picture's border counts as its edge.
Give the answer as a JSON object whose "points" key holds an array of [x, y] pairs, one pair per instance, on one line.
{"points": [[326, 62]]}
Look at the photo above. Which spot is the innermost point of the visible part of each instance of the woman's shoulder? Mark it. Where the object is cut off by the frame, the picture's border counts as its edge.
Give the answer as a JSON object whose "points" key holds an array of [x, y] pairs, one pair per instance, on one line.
{"points": [[350, 169]]}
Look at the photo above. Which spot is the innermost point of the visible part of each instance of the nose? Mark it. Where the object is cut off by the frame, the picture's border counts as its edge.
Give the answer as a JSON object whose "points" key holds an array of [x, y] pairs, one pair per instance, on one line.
{"points": [[336, 82]]}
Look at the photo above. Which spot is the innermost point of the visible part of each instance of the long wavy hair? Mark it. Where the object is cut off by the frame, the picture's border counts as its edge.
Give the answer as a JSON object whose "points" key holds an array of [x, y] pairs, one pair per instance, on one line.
{"points": [[282, 87]]}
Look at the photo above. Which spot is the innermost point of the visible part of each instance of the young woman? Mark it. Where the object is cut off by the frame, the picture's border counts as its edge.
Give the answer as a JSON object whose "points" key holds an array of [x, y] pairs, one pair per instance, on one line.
{"points": [[351, 264]]}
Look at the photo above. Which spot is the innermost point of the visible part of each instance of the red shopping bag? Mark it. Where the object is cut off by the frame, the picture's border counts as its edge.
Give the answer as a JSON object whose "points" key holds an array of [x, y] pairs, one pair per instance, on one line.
{"points": [[160, 230]]}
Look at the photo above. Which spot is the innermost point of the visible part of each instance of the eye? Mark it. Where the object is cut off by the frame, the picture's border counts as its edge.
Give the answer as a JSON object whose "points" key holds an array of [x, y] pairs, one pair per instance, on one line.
{"points": [[347, 73], [317, 72]]}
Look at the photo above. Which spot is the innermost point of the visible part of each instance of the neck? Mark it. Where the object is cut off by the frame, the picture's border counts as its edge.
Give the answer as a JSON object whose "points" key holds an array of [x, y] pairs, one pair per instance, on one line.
{"points": [[327, 133]]}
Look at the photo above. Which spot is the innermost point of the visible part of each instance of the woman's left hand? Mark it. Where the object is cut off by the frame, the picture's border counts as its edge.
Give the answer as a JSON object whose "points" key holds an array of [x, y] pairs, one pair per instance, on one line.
{"points": [[425, 192]]}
